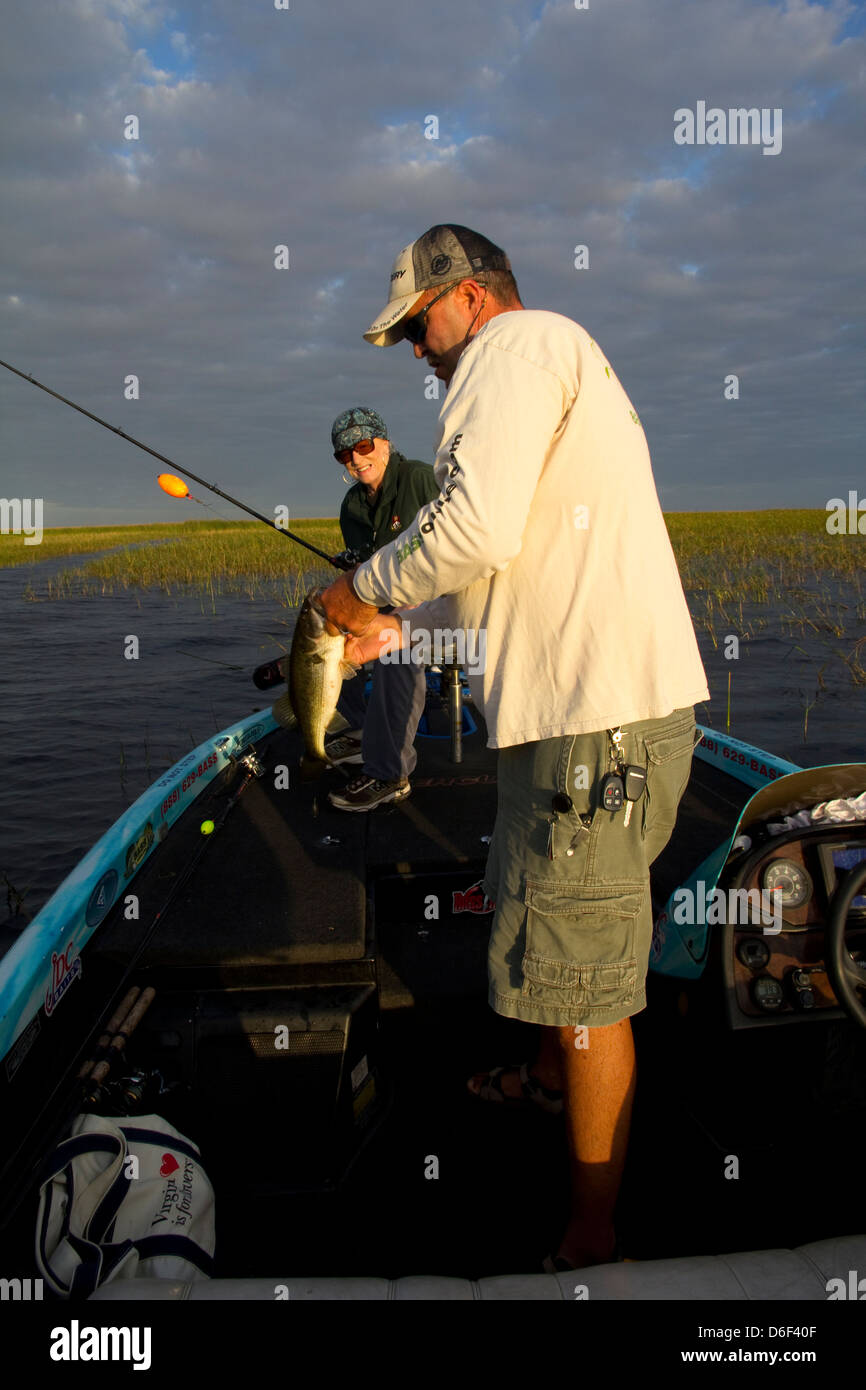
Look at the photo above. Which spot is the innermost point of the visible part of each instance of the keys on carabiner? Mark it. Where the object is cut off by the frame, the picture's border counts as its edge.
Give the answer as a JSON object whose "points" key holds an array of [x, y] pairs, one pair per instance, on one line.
{"points": [[561, 803], [612, 792], [635, 781], [551, 820]]}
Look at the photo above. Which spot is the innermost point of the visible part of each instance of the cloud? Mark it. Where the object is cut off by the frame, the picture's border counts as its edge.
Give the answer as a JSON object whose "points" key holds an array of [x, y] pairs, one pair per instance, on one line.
{"points": [[305, 127]]}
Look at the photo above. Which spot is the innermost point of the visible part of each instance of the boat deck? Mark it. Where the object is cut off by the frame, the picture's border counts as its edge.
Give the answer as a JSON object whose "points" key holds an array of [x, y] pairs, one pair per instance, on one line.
{"points": [[298, 912], [310, 897]]}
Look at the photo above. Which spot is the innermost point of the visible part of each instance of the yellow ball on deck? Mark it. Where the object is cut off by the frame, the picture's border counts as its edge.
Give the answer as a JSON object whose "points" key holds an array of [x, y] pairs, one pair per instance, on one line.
{"points": [[207, 827]]}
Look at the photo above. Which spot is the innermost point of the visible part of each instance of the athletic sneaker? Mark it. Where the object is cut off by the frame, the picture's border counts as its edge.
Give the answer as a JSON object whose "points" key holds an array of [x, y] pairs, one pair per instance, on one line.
{"points": [[344, 749], [363, 793]]}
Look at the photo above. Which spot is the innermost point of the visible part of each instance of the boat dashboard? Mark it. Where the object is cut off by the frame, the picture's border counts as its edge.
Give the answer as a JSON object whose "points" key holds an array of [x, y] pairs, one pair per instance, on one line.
{"points": [[775, 952]]}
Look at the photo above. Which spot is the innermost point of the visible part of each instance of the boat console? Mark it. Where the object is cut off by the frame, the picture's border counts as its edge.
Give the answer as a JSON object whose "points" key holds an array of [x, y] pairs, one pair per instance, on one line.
{"points": [[783, 970]]}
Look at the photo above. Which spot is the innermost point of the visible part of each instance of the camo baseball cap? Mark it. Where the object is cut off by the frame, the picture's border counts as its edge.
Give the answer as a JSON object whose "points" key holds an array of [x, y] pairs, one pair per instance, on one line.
{"points": [[358, 423], [447, 252]]}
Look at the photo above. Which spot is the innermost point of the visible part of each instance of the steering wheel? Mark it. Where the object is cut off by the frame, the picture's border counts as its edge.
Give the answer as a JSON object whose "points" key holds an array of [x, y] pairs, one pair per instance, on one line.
{"points": [[846, 976]]}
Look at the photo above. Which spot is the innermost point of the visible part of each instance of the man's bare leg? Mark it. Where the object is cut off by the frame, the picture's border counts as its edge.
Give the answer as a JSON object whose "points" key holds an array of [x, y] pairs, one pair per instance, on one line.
{"points": [[598, 1084]]}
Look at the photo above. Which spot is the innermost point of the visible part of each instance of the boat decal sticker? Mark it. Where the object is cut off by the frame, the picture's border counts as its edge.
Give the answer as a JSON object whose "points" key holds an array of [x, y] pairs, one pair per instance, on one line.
{"points": [[101, 898], [138, 850], [65, 967], [741, 760], [193, 773], [363, 1098], [22, 1047], [471, 900], [360, 1073]]}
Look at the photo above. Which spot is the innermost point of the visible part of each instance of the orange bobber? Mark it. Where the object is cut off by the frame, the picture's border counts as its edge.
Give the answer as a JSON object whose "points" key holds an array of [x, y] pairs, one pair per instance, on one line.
{"points": [[175, 487]]}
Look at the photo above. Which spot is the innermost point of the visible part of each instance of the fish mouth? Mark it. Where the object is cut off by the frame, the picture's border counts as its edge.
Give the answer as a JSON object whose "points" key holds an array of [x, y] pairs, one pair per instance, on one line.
{"points": [[314, 599]]}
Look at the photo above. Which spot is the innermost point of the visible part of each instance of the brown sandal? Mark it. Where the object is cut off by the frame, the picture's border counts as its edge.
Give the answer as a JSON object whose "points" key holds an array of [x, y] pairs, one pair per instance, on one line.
{"points": [[533, 1092]]}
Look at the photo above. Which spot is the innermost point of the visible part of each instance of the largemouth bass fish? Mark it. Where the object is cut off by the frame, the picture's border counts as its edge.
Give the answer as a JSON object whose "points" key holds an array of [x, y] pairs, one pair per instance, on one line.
{"points": [[317, 669]]}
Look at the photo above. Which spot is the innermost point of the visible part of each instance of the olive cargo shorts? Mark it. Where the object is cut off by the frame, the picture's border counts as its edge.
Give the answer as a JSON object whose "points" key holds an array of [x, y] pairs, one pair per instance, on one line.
{"points": [[570, 939]]}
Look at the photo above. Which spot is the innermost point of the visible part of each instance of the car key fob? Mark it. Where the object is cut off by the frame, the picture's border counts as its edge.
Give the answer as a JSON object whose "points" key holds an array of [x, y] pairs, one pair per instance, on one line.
{"points": [[635, 781], [612, 792]]}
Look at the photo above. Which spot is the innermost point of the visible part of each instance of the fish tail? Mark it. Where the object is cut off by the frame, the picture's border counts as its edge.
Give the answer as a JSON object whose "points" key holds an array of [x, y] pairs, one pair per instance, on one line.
{"points": [[312, 768]]}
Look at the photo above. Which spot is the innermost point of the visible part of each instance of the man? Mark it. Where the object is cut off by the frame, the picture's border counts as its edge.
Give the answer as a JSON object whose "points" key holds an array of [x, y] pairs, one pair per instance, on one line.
{"points": [[387, 492], [548, 534]]}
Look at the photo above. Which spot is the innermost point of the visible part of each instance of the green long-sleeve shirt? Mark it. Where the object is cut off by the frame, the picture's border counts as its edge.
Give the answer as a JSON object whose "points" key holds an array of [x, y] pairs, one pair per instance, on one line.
{"points": [[407, 486]]}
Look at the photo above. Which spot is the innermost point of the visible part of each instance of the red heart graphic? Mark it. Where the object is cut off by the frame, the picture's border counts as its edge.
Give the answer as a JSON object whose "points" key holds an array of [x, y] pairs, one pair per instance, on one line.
{"points": [[169, 1164]]}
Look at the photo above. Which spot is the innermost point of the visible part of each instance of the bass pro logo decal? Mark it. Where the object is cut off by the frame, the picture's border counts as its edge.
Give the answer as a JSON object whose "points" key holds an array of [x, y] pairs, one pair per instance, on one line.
{"points": [[138, 850], [471, 901]]}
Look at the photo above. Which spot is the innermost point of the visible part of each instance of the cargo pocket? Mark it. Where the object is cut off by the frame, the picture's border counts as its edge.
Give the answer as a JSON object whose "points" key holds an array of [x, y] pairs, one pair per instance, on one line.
{"points": [[669, 765], [580, 944]]}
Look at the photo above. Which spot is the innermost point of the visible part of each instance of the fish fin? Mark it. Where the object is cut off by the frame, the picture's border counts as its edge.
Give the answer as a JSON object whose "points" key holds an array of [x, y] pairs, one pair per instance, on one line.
{"points": [[348, 669], [283, 712]]}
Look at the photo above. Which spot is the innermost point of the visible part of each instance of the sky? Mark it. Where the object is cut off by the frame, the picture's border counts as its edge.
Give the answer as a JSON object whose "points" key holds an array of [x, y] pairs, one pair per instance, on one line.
{"points": [[307, 127]]}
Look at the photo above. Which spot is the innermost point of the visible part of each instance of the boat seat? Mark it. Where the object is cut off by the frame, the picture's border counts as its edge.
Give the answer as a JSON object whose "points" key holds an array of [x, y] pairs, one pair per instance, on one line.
{"points": [[754, 1275]]}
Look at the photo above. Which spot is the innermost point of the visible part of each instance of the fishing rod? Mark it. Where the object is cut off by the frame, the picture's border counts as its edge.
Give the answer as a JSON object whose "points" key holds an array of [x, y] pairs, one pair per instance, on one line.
{"points": [[343, 561]]}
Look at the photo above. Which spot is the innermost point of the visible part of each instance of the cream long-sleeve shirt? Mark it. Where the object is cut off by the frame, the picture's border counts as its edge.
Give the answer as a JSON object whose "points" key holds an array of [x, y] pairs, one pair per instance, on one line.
{"points": [[548, 540]]}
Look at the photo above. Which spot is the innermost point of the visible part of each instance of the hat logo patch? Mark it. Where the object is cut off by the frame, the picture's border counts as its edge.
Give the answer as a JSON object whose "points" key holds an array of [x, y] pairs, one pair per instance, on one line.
{"points": [[440, 265], [395, 274]]}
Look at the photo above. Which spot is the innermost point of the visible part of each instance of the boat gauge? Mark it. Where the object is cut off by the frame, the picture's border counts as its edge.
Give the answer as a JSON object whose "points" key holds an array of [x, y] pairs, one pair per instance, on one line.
{"points": [[754, 952], [791, 878], [767, 993]]}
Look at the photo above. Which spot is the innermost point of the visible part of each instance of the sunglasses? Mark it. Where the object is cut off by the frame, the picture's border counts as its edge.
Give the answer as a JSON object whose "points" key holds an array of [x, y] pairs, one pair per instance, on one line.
{"points": [[415, 328], [363, 446]]}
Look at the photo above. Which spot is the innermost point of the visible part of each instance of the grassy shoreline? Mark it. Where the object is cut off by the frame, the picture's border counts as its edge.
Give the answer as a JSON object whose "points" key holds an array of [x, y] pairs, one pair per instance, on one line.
{"points": [[192, 557], [725, 559], [751, 574]]}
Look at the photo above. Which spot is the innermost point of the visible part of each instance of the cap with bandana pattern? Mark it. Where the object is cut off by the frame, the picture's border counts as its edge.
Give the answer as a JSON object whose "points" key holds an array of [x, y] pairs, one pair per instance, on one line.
{"points": [[356, 424]]}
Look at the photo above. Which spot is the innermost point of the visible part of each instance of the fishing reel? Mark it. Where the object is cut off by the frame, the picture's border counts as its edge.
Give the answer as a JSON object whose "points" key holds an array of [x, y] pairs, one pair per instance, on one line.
{"points": [[138, 1092], [348, 559]]}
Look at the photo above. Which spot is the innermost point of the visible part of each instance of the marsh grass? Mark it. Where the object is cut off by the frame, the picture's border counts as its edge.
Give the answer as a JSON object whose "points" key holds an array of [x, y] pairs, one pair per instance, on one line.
{"points": [[726, 559], [208, 558], [80, 540], [776, 572]]}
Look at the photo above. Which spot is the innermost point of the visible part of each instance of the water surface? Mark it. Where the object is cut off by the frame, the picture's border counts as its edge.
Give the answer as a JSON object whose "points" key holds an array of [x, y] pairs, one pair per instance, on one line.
{"points": [[85, 730]]}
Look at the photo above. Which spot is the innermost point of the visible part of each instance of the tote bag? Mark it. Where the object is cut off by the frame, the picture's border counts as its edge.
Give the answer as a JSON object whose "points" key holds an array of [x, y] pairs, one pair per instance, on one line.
{"points": [[121, 1199]]}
